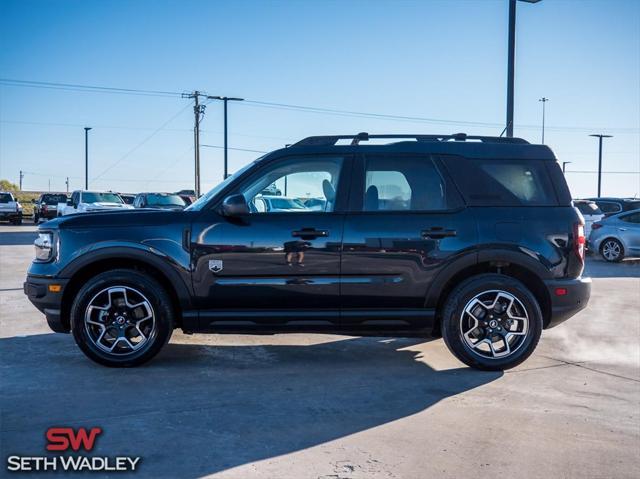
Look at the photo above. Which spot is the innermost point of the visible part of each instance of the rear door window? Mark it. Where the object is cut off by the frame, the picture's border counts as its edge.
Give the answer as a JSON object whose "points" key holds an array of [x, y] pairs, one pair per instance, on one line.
{"points": [[588, 208], [403, 183], [502, 182]]}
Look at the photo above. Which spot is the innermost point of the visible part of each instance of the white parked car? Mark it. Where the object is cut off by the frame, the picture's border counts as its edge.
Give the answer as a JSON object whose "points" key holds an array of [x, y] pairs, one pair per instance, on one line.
{"points": [[591, 213], [92, 201]]}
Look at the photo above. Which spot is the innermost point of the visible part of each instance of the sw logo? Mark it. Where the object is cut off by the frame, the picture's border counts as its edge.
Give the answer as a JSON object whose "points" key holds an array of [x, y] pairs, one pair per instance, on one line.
{"points": [[65, 438], [215, 265]]}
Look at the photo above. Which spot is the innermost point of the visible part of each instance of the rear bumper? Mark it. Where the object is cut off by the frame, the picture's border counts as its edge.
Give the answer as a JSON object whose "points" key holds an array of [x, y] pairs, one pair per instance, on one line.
{"points": [[37, 290], [563, 306]]}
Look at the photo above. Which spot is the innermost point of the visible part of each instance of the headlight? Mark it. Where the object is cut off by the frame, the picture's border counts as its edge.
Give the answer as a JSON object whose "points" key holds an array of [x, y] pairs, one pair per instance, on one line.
{"points": [[44, 246]]}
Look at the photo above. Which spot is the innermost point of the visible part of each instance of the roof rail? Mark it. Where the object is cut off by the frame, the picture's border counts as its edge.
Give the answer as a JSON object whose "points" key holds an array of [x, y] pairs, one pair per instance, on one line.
{"points": [[356, 139]]}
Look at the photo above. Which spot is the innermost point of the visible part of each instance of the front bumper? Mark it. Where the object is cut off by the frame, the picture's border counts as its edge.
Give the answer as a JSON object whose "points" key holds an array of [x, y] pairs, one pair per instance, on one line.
{"points": [[10, 215], [48, 302], [563, 306]]}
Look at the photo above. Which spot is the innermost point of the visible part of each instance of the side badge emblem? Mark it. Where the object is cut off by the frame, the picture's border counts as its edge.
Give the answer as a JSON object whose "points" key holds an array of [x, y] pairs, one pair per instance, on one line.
{"points": [[215, 265]]}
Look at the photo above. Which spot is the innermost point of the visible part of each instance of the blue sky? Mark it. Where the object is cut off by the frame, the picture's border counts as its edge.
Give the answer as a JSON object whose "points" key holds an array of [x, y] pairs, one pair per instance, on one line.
{"points": [[443, 60]]}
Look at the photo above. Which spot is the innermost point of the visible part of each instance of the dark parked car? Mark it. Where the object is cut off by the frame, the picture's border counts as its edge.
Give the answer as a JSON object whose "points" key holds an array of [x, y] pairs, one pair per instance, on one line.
{"points": [[474, 238], [127, 198], [163, 201], [45, 207], [613, 206]]}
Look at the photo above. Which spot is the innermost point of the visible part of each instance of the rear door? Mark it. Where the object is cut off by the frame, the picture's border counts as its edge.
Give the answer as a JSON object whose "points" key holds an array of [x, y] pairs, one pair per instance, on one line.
{"points": [[406, 222]]}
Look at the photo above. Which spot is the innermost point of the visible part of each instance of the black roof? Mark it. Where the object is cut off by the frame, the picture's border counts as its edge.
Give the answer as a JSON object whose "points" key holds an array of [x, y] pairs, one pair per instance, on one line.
{"points": [[470, 146]]}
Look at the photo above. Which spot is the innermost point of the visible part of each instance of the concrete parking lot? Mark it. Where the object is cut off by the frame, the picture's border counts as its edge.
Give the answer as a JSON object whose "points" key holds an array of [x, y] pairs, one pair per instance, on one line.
{"points": [[320, 406]]}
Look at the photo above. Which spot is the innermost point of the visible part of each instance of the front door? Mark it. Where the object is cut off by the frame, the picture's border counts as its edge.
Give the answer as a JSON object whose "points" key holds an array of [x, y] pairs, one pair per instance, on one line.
{"points": [[281, 261], [406, 221]]}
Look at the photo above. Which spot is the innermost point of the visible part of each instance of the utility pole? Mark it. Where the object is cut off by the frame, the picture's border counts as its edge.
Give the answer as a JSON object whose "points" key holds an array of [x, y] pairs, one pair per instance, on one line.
{"points": [[225, 100], [198, 112], [49, 184], [544, 101], [66, 182], [511, 60], [86, 157], [21, 177], [600, 137]]}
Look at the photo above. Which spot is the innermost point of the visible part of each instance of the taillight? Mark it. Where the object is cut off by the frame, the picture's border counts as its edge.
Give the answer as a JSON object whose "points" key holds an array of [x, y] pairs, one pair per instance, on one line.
{"points": [[596, 226], [579, 240]]}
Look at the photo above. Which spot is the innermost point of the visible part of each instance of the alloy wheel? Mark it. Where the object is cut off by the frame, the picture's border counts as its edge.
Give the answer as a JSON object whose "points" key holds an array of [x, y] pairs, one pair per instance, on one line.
{"points": [[120, 320], [494, 324], [611, 250]]}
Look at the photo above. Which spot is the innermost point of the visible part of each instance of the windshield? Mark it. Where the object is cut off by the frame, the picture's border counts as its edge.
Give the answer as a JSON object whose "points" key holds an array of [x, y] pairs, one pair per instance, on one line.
{"points": [[204, 199], [54, 199], [5, 198], [159, 199], [94, 197]]}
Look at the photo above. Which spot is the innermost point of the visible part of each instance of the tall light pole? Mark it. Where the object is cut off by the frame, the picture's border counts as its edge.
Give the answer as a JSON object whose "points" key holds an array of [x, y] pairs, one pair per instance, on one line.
{"points": [[225, 100], [511, 60], [86, 157], [600, 137], [544, 101]]}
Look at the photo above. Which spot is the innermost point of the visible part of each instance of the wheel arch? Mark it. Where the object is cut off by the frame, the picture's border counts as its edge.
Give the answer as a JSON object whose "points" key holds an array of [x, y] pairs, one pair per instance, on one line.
{"points": [[519, 266], [96, 262]]}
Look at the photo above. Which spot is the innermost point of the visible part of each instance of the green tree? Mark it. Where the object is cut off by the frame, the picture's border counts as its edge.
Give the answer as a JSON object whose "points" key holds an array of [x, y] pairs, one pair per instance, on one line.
{"points": [[6, 185]]}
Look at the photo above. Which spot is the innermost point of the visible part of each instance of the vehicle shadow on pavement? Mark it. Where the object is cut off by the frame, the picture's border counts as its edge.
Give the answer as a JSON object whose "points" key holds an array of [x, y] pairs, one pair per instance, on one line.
{"points": [[198, 409], [599, 268]]}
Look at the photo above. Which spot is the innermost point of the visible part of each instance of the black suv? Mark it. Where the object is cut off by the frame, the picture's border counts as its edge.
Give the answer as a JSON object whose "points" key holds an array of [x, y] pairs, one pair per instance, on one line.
{"points": [[473, 238]]}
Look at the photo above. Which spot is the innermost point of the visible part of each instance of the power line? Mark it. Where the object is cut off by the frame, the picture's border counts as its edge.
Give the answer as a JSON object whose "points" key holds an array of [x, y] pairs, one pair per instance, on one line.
{"points": [[237, 149], [303, 108], [88, 88]]}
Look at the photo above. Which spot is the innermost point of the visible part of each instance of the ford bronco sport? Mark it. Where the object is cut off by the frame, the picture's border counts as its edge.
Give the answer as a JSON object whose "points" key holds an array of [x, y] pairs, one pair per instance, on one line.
{"points": [[473, 238]]}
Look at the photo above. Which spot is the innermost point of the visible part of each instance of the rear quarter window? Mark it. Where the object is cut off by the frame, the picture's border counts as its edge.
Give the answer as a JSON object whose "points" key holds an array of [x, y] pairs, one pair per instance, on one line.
{"points": [[503, 182]]}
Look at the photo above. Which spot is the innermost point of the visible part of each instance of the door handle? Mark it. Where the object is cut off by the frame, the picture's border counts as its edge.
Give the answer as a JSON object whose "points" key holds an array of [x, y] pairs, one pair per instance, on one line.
{"points": [[622, 229], [309, 233], [437, 232]]}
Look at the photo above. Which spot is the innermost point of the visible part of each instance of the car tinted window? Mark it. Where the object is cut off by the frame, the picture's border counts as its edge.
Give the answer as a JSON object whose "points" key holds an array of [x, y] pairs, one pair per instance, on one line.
{"points": [[502, 182], [609, 207], [403, 183], [631, 218], [159, 199], [588, 208], [5, 198], [54, 199], [297, 179], [96, 197]]}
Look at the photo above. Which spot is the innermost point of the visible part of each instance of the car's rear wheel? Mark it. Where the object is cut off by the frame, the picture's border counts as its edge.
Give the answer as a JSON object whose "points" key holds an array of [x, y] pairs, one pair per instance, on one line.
{"points": [[491, 322], [122, 318], [612, 250]]}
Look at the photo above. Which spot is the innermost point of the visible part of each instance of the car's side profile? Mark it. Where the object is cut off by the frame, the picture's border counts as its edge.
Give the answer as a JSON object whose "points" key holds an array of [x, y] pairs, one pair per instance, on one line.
{"points": [[617, 236], [90, 202], [474, 238]]}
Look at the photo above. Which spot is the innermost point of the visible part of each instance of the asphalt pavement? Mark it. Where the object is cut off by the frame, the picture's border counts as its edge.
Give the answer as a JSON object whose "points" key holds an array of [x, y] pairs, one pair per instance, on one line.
{"points": [[322, 406]]}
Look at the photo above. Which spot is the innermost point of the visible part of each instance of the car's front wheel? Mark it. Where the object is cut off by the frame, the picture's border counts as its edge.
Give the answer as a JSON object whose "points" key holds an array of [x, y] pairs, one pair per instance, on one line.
{"points": [[491, 322], [122, 318], [612, 250]]}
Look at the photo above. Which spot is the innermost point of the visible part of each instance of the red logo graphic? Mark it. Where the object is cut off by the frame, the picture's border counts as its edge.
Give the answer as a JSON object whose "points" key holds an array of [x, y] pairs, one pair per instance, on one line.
{"points": [[63, 438]]}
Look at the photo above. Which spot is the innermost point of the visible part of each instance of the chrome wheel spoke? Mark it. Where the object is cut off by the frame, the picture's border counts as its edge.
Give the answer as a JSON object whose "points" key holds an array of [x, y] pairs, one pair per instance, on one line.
{"points": [[124, 324], [494, 324]]}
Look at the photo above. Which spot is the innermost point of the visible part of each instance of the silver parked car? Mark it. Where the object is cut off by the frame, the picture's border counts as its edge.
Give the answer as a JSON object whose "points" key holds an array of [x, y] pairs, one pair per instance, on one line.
{"points": [[617, 236]]}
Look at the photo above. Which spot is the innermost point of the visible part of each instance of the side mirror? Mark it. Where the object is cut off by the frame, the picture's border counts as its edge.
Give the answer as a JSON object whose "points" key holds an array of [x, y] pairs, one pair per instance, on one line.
{"points": [[235, 205]]}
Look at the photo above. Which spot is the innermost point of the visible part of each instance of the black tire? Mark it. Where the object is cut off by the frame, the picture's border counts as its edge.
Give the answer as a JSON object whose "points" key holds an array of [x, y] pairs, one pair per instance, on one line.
{"points": [[616, 243], [17, 221], [452, 320], [135, 282]]}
